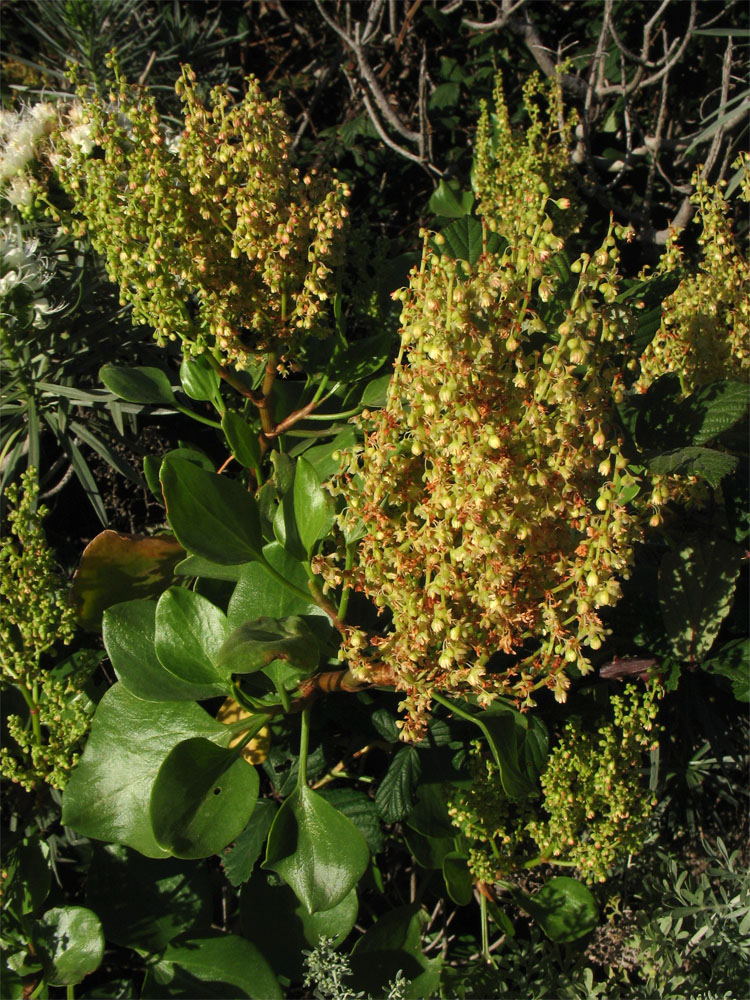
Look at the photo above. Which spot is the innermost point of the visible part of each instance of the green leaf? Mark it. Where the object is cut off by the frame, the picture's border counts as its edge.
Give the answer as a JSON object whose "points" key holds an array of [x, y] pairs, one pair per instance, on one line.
{"points": [[243, 441], [693, 461], [733, 662], [715, 408], [376, 392], [360, 359], [429, 851], [107, 795], [144, 903], [202, 798], [464, 239], [254, 645], [507, 730], [70, 944], [198, 566], [258, 594], [313, 509], [152, 466], [396, 792], [445, 95], [239, 860], [280, 926], [458, 879], [115, 568], [564, 908], [696, 586], [199, 380], [285, 527], [28, 874], [357, 806], [448, 202], [190, 631], [392, 945], [318, 852], [213, 968], [211, 516], [322, 456], [129, 630], [138, 385]]}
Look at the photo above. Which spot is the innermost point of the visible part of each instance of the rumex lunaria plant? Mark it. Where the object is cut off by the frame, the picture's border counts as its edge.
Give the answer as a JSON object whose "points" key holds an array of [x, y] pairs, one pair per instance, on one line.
{"points": [[212, 234], [492, 488]]}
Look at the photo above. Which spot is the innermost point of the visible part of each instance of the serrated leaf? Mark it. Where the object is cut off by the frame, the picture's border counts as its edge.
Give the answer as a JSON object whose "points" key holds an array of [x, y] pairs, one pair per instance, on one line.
{"points": [[361, 810], [239, 860], [397, 791], [696, 586], [694, 461]]}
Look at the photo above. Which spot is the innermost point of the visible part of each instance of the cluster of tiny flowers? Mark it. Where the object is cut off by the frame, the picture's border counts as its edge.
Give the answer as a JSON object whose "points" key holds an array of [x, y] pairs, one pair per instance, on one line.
{"points": [[593, 796], [35, 617], [705, 329], [212, 234], [21, 135], [492, 487], [510, 163]]}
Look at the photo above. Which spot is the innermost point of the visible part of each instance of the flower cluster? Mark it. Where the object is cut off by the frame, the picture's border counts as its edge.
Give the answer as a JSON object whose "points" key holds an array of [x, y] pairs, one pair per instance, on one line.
{"points": [[705, 330], [492, 487], [593, 795], [35, 617], [514, 169], [21, 135], [211, 234]]}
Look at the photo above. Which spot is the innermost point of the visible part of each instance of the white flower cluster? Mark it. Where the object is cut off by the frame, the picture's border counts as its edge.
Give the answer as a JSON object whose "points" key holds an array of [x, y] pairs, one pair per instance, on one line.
{"points": [[20, 132], [24, 274]]}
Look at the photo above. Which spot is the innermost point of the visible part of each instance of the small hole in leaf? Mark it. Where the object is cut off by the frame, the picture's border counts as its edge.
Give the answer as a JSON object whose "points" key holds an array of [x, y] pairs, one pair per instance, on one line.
{"points": [[217, 791]]}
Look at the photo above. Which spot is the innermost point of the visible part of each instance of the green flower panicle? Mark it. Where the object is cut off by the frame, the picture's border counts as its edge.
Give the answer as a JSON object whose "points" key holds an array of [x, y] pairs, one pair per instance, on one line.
{"points": [[705, 330], [594, 808], [35, 620], [212, 234]]}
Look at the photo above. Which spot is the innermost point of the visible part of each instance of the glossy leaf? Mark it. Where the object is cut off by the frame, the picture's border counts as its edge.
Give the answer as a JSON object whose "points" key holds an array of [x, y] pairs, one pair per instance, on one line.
{"points": [[213, 968], [313, 508], [189, 633], [243, 440], [259, 594], [212, 516], [255, 645], [326, 458], [199, 380], [152, 466], [129, 631], [428, 851], [107, 796], [198, 566], [201, 799], [316, 850], [116, 568], [357, 806], [70, 944], [138, 385], [564, 908], [447, 202]]}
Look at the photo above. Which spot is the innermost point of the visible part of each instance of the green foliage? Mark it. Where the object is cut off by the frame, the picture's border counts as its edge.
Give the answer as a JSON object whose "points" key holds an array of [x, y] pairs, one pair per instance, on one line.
{"points": [[36, 619]]}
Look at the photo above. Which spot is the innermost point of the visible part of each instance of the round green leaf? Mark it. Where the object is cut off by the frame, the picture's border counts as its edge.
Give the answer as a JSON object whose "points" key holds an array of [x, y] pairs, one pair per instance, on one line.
{"points": [[189, 633], [199, 380], [222, 968], [129, 631], [70, 944], [107, 796], [211, 516], [138, 385], [202, 798], [564, 908], [258, 594], [316, 850], [255, 645]]}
